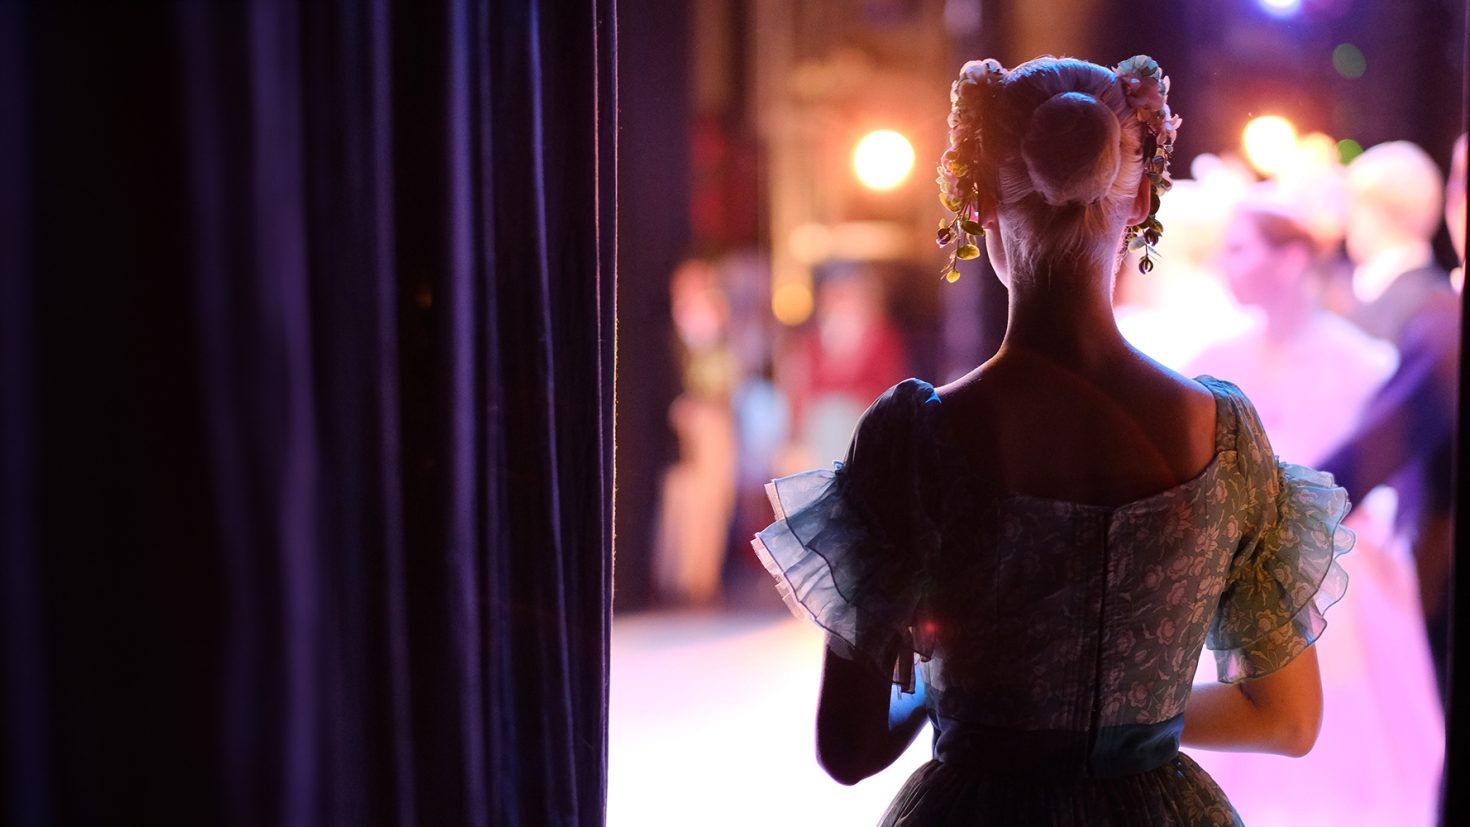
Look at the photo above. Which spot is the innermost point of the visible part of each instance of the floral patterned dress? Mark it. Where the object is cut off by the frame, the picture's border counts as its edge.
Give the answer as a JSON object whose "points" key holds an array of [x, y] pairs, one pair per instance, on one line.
{"points": [[1056, 642]]}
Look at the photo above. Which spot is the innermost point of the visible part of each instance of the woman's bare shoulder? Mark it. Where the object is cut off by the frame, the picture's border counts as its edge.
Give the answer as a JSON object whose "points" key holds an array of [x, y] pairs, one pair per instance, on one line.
{"points": [[1190, 395]]}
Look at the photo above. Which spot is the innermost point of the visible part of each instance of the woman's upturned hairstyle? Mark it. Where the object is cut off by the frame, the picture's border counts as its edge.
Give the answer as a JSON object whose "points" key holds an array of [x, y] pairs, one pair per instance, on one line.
{"points": [[1061, 145]]}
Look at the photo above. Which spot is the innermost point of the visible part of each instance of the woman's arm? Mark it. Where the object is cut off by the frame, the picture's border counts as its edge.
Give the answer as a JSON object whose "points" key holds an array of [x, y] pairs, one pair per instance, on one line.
{"points": [[1279, 713], [863, 724]]}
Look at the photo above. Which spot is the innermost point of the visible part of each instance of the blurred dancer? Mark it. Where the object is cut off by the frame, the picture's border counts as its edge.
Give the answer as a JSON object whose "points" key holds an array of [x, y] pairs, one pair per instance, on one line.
{"points": [[850, 354], [1315, 184], [1454, 210], [1310, 373], [1181, 307], [699, 489], [1405, 436]]}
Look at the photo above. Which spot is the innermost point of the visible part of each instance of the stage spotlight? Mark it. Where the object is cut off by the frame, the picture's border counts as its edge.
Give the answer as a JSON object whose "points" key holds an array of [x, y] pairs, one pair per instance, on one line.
{"points": [[1270, 143], [1280, 8], [883, 159]]}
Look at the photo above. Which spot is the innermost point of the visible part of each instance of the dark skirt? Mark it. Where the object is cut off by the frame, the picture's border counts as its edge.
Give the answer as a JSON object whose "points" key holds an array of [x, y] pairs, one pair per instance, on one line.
{"points": [[1177, 793]]}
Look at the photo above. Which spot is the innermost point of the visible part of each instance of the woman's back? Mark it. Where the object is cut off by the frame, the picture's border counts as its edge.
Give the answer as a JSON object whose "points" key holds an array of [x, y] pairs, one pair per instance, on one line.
{"points": [[1106, 433], [1050, 539]]}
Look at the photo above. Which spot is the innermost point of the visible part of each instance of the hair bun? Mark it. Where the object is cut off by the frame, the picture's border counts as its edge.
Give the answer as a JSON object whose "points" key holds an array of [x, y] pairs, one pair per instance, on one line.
{"points": [[1072, 149]]}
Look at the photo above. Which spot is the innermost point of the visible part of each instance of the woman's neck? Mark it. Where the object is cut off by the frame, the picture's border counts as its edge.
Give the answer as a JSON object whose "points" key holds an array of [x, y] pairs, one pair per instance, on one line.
{"points": [[1066, 315]]}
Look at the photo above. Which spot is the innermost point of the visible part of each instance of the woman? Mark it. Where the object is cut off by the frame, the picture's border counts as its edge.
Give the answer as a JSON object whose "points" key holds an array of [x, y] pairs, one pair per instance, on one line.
{"points": [[1051, 538], [1310, 373]]}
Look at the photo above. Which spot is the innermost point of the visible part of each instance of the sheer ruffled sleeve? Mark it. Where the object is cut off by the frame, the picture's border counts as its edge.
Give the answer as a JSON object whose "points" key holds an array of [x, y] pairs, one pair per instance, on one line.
{"points": [[847, 545], [1286, 572]]}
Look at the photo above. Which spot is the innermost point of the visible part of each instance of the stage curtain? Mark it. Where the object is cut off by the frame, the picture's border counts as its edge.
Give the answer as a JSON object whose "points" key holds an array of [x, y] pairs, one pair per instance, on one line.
{"points": [[307, 318]]}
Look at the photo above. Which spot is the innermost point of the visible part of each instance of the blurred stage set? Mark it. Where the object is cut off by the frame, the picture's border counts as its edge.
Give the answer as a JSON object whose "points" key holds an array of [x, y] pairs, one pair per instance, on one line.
{"points": [[777, 270]]}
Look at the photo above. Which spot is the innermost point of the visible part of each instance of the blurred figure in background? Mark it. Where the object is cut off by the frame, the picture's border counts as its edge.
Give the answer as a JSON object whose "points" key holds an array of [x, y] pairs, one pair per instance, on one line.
{"points": [[762, 420], [1181, 307], [763, 430], [1315, 185], [1310, 373], [1454, 210], [699, 488], [834, 368], [1395, 198], [1404, 437]]}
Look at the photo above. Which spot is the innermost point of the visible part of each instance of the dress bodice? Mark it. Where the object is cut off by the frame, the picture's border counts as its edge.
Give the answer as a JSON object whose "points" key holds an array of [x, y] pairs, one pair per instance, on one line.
{"points": [[1070, 616], [1052, 635]]}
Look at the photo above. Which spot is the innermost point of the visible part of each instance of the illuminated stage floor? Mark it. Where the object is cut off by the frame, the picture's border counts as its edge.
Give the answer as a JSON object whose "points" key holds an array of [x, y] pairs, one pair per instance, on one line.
{"points": [[712, 719], [711, 724]]}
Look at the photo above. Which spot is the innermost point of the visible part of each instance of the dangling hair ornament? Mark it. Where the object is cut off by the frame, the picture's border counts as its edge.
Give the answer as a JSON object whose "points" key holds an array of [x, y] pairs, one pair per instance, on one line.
{"points": [[959, 168], [1147, 90]]}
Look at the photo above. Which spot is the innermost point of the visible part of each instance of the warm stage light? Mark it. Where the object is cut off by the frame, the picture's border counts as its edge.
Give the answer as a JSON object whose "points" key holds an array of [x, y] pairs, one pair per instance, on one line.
{"points": [[883, 159], [791, 303], [1270, 143]]}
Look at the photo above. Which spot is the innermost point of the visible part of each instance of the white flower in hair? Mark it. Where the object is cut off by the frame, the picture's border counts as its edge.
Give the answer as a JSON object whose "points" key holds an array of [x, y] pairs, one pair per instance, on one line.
{"points": [[1147, 89]]}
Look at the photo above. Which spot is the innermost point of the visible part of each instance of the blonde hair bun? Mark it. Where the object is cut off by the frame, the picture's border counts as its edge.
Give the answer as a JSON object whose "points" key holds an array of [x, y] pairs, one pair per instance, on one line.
{"points": [[1072, 149]]}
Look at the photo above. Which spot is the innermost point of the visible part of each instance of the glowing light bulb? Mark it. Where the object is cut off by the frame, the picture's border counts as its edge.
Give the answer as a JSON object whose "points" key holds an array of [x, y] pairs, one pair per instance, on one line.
{"points": [[1270, 143], [883, 159]]}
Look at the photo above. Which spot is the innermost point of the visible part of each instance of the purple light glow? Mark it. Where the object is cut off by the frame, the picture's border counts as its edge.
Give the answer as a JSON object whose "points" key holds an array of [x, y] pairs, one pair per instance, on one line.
{"points": [[1280, 8]]}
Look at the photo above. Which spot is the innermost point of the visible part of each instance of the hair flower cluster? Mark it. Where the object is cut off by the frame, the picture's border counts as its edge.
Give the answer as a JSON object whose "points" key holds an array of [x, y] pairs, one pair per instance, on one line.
{"points": [[959, 167], [964, 163], [1147, 91]]}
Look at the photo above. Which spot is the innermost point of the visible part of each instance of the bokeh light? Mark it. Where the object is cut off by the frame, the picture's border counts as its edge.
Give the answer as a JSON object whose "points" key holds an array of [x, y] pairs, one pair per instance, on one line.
{"points": [[791, 303], [883, 159], [1316, 149], [1349, 61], [1270, 143], [1281, 8], [1348, 149]]}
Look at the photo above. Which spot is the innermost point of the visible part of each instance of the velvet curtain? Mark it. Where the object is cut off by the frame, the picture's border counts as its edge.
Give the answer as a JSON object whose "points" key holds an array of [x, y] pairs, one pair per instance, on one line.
{"points": [[307, 323]]}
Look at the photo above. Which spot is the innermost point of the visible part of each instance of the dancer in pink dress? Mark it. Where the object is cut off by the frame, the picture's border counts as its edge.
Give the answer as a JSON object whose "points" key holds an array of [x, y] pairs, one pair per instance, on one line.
{"points": [[1310, 374]]}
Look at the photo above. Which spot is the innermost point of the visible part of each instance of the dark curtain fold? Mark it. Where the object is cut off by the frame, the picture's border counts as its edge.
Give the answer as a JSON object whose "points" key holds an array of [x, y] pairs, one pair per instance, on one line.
{"points": [[307, 323]]}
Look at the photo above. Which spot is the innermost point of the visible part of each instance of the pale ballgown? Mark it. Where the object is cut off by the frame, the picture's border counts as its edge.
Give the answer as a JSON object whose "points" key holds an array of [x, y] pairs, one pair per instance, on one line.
{"points": [[1378, 757]]}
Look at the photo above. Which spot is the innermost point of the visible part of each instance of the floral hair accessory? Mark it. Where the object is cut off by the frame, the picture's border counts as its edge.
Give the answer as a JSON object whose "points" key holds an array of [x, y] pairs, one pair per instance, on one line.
{"points": [[1147, 90], [959, 167]]}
